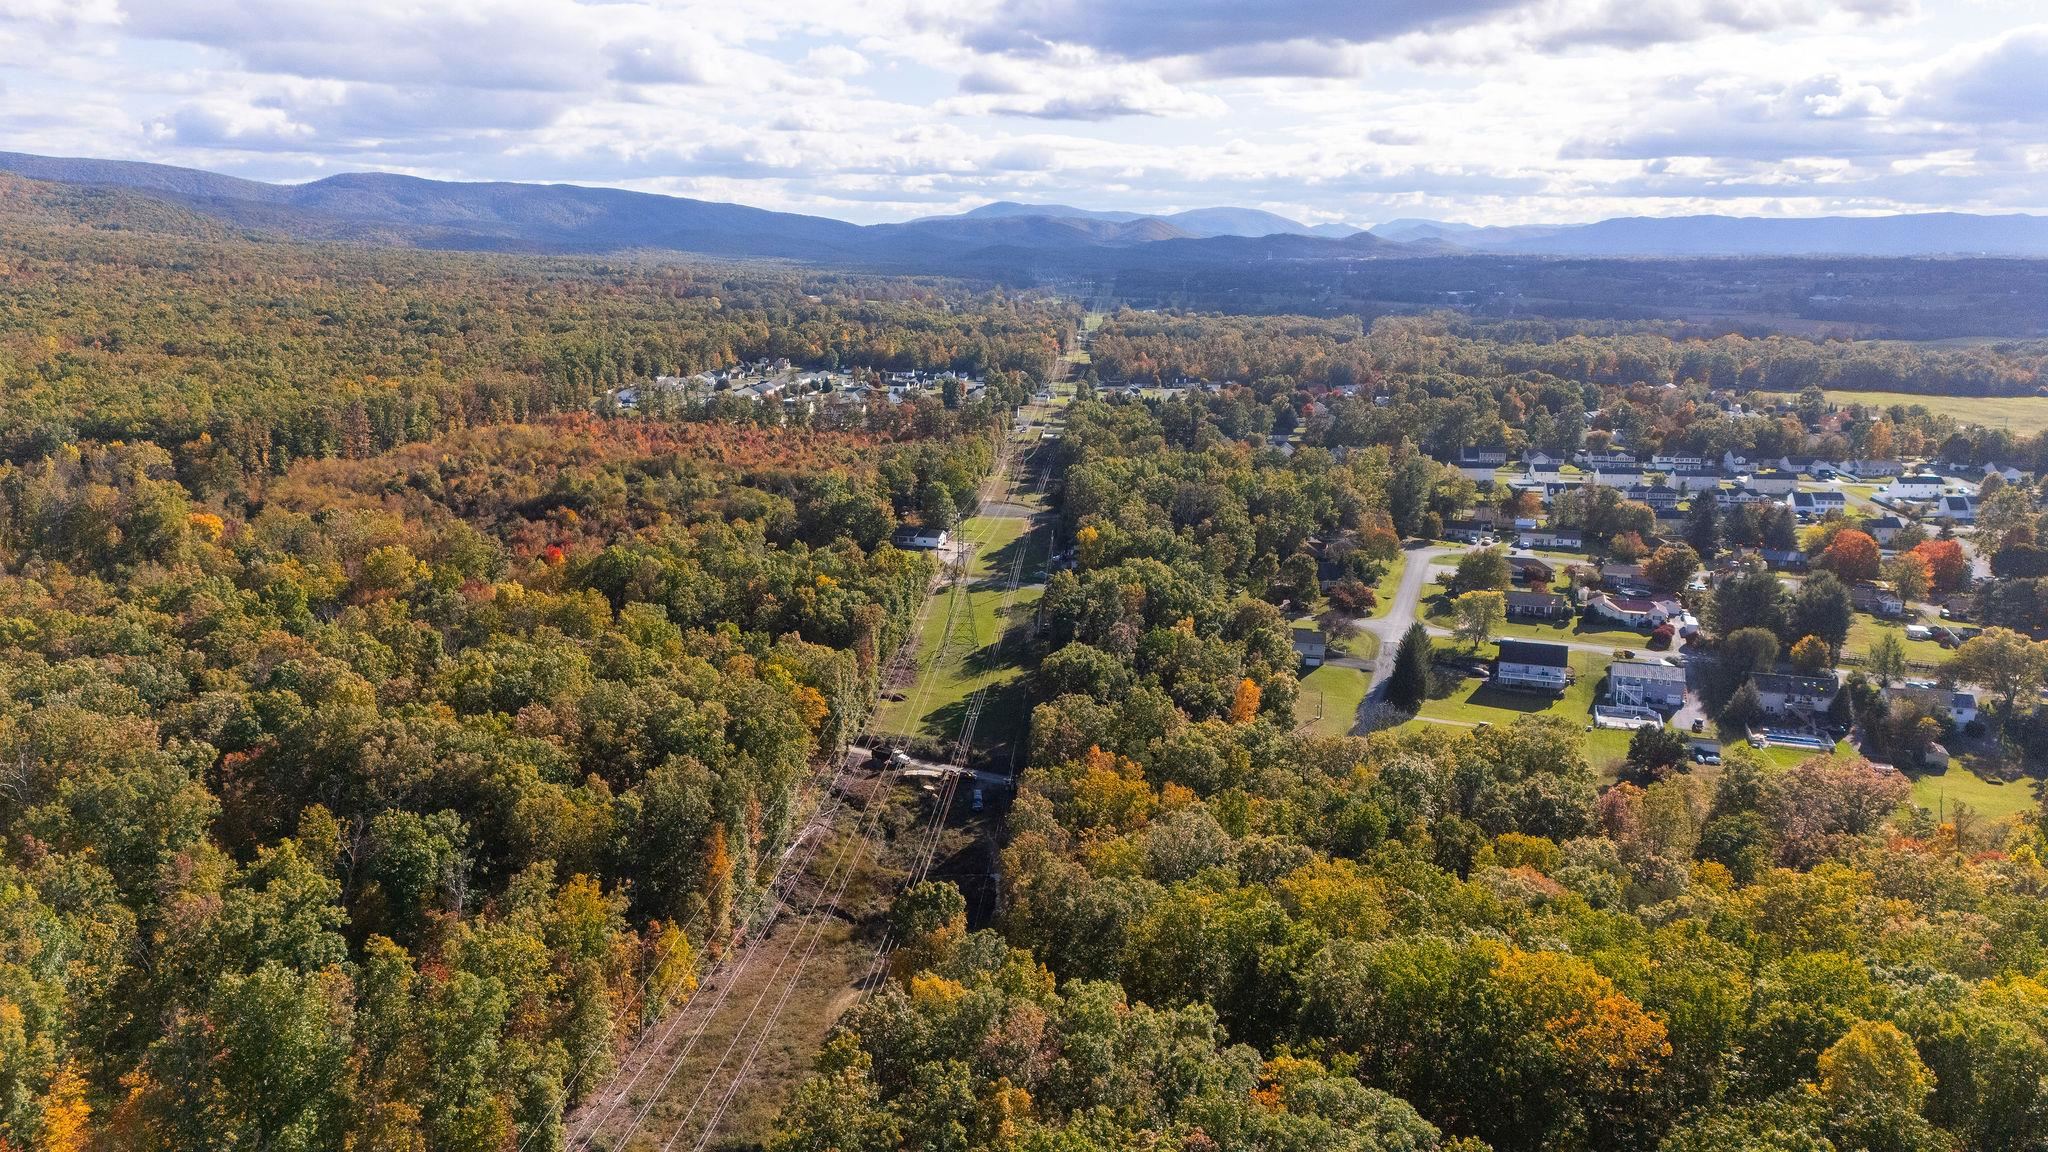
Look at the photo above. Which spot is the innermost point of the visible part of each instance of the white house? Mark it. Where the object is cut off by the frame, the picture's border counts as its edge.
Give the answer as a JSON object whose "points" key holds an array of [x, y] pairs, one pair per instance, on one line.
{"points": [[1795, 696], [1919, 486], [1883, 528], [1775, 482], [922, 539], [1816, 505], [1642, 684], [1960, 707], [1957, 509], [1533, 665], [1632, 611], [1310, 646]]}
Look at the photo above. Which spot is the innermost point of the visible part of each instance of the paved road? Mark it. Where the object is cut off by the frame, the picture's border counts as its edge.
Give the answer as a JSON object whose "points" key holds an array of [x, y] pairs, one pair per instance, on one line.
{"points": [[1394, 623]]}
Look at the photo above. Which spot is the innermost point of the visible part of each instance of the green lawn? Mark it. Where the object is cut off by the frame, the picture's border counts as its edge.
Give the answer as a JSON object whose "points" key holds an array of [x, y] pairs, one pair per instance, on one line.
{"points": [[1437, 608], [1988, 798], [1390, 583], [1475, 701], [1329, 699], [1864, 632], [956, 651]]}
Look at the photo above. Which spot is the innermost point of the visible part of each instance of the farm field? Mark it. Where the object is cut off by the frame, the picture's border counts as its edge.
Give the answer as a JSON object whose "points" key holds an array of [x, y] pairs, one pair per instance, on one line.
{"points": [[2022, 414]]}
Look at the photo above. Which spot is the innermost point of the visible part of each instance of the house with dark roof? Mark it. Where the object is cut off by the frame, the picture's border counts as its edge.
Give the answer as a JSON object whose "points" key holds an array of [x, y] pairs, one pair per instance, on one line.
{"points": [[1795, 696], [1876, 599], [1957, 509], [1883, 528], [1538, 606], [1625, 579], [1311, 647], [1532, 665], [1531, 571]]}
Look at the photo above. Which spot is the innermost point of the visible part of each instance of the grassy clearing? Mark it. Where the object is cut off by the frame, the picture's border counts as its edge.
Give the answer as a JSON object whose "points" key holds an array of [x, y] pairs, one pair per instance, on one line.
{"points": [[957, 647], [1329, 699], [1990, 799], [2022, 414], [1863, 636]]}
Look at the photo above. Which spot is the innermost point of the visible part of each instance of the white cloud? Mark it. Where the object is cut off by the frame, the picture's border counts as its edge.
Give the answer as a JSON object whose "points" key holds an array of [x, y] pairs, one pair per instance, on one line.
{"points": [[1500, 110]]}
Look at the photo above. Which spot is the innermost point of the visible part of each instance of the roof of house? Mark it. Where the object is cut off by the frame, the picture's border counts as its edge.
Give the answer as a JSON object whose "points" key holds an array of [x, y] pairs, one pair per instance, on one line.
{"points": [[1783, 684], [1535, 652], [1536, 599], [1644, 670], [1634, 603]]}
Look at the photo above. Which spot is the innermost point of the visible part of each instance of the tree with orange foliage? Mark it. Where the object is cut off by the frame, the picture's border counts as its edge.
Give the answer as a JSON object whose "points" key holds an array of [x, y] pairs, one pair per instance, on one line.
{"points": [[1852, 555], [1948, 567], [1244, 708]]}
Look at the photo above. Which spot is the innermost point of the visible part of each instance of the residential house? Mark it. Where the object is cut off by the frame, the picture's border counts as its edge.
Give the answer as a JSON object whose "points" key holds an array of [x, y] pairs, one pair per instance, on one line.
{"points": [[1531, 571], [1775, 482], [1611, 458], [1870, 469], [1783, 559], [921, 539], [1956, 509], [1538, 606], [1730, 497], [1960, 707], [1794, 697], [2005, 472], [1467, 531], [1917, 487], [1643, 684], [1666, 463], [1553, 539], [1480, 463], [1695, 479], [1883, 528], [1638, 612], [1613, 477], [1541, 461], [1310, 647], [1730, 462], [1816, 505], [1657, 496], [1533, 665], [1625, 579], [1877, 599]]}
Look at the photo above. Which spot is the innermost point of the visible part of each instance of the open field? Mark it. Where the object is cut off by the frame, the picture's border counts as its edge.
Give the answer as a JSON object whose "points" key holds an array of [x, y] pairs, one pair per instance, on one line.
{"points": [[1864, 632], [957, 653], [1988, 798], [1329, 699], [2022, 414]]}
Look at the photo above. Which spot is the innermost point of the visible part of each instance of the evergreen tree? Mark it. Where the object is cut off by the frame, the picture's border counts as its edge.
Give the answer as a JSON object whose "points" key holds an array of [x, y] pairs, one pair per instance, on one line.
{"points": [[1409, 684], [1703, 528]]}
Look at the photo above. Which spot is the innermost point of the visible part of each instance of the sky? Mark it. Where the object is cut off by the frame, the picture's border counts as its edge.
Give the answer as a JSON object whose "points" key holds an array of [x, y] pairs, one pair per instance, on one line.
{"points": [[1350, 111]]}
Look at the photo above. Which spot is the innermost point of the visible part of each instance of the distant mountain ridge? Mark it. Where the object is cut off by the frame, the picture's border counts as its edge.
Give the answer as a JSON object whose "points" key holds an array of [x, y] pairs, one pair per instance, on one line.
{"points": [[1202, 223], [1003, 238]]}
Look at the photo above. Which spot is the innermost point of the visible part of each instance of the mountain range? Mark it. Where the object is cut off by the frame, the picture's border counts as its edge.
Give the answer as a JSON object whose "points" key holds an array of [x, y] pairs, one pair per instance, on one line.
{"points": [[1006, 238]]}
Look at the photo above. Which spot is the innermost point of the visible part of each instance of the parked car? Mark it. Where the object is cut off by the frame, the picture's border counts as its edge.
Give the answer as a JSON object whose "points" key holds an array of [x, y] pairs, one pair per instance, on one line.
{"points": [[1705, 756], [974, 804]]}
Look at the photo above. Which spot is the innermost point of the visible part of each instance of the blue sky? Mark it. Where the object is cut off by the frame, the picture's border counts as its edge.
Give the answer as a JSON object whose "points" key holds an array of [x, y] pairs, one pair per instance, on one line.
{"points": [[1492, 111]]}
